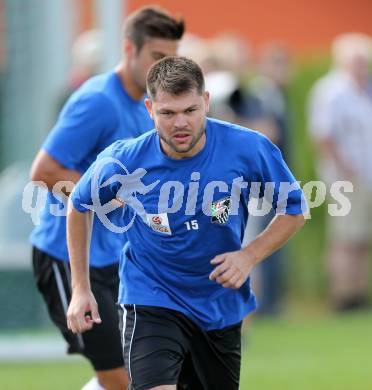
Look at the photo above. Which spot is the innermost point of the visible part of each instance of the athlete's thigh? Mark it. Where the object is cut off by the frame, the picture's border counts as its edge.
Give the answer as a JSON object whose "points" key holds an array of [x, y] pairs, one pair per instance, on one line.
{"points": [[216, 356], [155, 341]]}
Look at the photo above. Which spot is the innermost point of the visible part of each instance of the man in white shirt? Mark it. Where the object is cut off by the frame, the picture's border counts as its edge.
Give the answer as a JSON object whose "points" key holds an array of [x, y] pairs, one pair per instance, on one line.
{"points": [[340, 120]]}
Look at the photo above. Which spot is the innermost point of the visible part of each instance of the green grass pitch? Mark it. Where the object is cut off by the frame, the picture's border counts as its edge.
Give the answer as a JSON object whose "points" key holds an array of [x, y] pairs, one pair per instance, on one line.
{"points": [[321, 352]]}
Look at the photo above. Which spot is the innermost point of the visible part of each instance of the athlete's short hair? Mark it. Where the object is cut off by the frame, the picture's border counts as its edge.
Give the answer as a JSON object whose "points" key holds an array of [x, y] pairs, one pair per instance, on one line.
{"points": [[175, 75], [152, 22]]}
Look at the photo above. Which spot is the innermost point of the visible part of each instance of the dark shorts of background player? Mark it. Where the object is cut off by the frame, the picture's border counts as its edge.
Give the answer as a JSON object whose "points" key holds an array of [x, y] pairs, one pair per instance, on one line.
{"points": [[102, 344], [164, 347]]}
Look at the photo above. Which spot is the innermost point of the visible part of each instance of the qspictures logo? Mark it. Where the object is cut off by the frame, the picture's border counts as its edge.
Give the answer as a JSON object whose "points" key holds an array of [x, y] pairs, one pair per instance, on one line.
{"points": [[173, 195]]}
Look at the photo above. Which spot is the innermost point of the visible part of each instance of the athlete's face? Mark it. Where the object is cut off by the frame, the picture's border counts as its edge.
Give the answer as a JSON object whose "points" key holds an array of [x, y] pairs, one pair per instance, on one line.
{"points": [[180, 121], [141, 60]]}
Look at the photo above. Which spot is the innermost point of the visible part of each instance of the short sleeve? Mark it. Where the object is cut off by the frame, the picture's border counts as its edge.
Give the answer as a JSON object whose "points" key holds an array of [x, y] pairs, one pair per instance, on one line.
{"points": [[273, 173], [84, 121], [98, 185]]}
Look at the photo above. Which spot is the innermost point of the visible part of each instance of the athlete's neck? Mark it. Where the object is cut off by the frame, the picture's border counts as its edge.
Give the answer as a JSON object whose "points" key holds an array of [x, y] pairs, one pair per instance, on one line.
{"points": [[132, 88]]}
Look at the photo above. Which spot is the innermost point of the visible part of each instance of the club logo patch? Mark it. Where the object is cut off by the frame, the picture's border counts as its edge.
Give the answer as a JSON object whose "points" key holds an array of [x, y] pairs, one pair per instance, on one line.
{"points": [[220, 210], [159, 223]]}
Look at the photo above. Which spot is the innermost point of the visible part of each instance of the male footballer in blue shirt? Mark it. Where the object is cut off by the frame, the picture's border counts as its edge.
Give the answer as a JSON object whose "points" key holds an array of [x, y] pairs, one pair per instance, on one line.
{"points": [[184, 276]]}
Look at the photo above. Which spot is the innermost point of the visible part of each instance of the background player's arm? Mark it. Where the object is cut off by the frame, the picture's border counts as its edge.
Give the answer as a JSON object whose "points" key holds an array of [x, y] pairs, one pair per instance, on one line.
{"points": [[48, 170], [233, 268], [82, 300]]}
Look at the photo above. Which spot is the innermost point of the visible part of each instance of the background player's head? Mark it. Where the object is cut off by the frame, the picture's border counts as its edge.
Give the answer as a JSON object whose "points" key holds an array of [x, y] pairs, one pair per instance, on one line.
{"points": [[178, 104], [150, 34]]}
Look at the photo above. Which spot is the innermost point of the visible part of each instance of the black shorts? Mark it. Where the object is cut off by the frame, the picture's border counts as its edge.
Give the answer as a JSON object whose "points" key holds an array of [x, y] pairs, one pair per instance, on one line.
{"points": [[164, 347], [102, 344]]}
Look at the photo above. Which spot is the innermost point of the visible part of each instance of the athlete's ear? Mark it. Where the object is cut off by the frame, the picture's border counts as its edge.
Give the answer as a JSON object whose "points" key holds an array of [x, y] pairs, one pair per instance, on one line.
{"points": [[129, 48], [206, 101], [148, 104]]}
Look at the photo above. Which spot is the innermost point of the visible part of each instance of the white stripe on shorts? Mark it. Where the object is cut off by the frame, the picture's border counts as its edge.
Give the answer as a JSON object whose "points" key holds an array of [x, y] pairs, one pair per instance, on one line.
{"points": [[131, 341], [124, 326], [61, 288]]}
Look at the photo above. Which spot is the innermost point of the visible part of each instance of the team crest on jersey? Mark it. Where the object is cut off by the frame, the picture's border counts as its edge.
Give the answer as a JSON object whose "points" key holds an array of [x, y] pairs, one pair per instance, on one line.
{"points": [[220, 210], [159, 223]]}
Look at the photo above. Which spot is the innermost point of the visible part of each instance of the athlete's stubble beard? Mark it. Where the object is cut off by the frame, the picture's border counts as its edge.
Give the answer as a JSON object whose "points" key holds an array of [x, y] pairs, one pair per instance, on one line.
{"points": [[194, 141]]}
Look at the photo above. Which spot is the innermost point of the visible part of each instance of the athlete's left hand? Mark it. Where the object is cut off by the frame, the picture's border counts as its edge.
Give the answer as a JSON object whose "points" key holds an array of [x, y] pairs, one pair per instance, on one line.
{"points": [[232, 268]]}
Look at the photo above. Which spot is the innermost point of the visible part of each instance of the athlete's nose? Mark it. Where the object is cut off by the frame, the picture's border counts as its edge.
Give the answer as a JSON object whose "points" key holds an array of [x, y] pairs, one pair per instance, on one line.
{"points": [[180, 121]]}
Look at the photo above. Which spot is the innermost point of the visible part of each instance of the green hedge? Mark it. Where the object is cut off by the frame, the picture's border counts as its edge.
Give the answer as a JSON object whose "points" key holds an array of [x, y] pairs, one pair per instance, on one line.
{"points": [[306, 276]]}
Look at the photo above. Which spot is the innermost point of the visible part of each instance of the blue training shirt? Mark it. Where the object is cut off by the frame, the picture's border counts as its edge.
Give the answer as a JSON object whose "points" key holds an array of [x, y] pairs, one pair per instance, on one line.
{"points": [[99, 113], [181, 213]]}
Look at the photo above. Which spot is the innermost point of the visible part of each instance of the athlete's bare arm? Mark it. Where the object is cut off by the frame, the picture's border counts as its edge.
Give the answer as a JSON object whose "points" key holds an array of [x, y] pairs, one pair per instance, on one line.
{"points": [[82, 299], [46, 169], [233, 268]]}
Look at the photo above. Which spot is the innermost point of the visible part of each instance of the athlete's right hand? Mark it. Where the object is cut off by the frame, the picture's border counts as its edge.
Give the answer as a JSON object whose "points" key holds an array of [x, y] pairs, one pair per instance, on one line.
{"points": [[82, 312]]}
